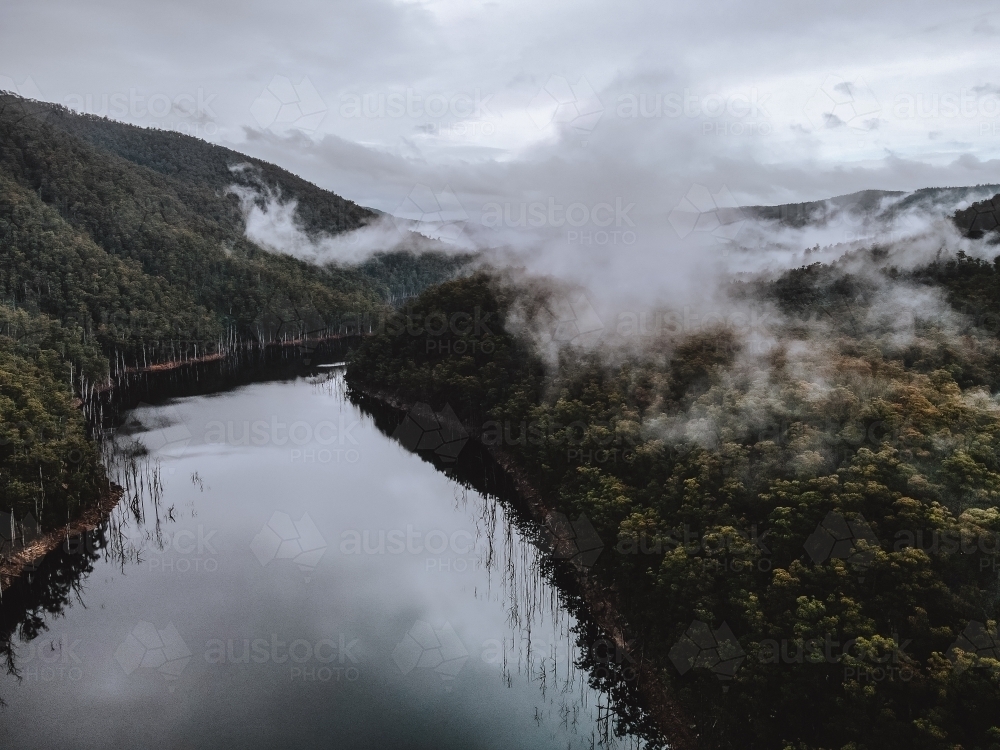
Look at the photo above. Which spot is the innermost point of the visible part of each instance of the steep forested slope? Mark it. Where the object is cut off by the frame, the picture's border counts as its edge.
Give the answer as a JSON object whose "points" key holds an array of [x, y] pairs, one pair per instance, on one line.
{"points": [[185, 231], [206, 171], [125, 244]]}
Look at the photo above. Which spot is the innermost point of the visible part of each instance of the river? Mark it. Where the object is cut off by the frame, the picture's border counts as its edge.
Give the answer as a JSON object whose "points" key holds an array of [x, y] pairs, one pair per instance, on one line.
{"points": [[282, 573]]}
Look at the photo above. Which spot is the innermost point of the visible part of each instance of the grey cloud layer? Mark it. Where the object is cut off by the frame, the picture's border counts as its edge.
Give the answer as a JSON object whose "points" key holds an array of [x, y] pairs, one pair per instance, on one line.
{"points": [[731, 93]]}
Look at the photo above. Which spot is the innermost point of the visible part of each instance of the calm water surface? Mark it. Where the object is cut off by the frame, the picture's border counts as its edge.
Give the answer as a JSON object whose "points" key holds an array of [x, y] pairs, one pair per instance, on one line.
{"points": [[286, 575]]}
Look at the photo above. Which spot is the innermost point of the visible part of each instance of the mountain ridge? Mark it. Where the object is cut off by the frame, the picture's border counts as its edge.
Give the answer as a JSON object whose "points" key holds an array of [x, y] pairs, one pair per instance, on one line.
{"points": [[871, 204]]}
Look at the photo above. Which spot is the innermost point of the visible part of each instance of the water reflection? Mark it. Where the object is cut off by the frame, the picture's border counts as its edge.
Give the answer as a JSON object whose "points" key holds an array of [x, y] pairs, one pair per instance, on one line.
{"points": [[262, 586], [538, 588]]}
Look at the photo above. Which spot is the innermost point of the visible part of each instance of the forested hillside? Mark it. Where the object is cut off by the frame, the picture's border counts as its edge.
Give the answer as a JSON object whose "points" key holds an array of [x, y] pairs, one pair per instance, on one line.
{"points": [[205, 171], [185, 231], [802, 532], [879, 207], [125, 245]]}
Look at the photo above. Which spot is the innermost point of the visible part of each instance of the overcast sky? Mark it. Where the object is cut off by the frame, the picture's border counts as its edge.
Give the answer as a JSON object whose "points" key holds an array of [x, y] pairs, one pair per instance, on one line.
{"points": [[485, 104]]}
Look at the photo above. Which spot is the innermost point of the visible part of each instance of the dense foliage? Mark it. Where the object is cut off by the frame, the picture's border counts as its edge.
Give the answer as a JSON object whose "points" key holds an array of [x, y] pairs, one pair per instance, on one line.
{"points": [[189, 236], [720, 473], [48, 468]]}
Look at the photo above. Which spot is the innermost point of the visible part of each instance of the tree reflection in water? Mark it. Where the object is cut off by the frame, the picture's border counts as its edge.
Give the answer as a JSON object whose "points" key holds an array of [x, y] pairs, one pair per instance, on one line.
{"points": [[45, 590], [537, 587]]}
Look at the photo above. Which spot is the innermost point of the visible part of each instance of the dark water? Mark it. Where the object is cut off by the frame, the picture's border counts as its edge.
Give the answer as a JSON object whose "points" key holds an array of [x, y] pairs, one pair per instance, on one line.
{"points": [[283, 574]]}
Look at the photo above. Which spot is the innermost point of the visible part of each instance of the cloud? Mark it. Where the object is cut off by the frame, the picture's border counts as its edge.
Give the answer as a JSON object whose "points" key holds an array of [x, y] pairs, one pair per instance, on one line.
{"points": [[273, 224]]}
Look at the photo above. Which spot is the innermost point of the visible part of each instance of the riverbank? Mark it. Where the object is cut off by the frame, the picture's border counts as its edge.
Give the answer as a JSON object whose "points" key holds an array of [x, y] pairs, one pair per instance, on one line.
{"points": [[106, 403], [600, 602], [26, 560]]}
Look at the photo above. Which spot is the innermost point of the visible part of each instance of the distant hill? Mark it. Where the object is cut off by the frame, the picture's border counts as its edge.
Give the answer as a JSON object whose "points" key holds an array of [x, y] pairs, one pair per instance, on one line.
{"points": [[874, 205]]}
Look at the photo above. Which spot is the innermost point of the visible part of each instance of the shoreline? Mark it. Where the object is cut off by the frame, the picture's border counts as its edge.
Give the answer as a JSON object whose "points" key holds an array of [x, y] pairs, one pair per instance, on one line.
{"points": [[668, 716], [24, 561], [219, 356]]}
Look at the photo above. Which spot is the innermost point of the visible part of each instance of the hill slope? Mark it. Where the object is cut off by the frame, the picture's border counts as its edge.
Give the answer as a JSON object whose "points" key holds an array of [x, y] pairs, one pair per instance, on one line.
{"points": [[870, 205], [125, 244]]}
